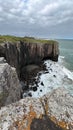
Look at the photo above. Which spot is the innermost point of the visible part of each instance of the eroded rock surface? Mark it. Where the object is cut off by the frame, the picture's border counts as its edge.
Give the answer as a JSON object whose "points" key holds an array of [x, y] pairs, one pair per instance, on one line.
{"points": [[9, 84], [54, 111]]}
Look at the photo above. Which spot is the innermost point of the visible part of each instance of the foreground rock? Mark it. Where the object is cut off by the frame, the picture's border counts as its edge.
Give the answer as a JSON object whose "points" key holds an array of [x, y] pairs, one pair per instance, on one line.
{"points": [[51, 112], [9, 84]]}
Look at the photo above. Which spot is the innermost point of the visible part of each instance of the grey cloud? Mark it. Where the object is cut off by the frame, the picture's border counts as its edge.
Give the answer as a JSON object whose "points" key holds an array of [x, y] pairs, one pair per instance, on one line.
{"points": [[39, 17]]}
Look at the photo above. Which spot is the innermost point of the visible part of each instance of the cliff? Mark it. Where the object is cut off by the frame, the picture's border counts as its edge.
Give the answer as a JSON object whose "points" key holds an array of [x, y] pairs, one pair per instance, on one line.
{"points": [[10, 88], [54, 111], [34, 53], [25, 51]]}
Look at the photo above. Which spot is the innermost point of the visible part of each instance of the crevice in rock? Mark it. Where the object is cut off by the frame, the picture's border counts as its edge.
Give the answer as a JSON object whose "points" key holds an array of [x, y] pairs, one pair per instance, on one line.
{"points": [[44, 124], [46, 58]]}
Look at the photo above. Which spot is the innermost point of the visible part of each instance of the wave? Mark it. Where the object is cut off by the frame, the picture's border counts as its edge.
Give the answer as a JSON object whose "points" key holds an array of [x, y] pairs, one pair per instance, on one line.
{"points": [[61, 60], [62, 57]]}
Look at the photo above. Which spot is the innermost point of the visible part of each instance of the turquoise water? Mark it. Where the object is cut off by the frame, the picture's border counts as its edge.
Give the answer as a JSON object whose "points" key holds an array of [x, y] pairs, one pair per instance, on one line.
{"points": [[66, 50]]}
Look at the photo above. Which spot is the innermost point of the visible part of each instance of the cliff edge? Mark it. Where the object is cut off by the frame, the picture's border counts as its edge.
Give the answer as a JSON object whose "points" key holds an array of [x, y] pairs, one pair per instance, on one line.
{"points": [[20, 52]]}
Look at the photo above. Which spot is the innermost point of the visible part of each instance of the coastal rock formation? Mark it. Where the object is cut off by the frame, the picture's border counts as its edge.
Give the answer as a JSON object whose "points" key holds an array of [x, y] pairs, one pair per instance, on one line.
{"points": [[54, 111], [21, 53], [9, 84], [34, 53], [10, 52]]}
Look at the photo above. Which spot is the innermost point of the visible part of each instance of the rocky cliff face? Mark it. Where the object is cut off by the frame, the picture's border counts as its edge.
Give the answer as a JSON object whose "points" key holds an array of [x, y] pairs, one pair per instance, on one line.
{"points": [[10, 88], [54, 111], [22, 53], [11, 54], [34, 53]]}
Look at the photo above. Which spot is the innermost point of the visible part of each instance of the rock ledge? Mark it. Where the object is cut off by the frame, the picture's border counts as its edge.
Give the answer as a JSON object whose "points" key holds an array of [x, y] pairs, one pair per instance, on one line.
{"points": [[54, 111]]}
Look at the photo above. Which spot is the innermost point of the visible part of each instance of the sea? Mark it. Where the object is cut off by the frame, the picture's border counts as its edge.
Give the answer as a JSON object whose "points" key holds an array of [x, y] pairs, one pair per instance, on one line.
{"points": [[66, 52]]}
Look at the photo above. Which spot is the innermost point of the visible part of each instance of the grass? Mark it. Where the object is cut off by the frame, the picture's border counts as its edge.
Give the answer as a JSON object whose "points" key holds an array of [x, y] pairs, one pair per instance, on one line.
{"points": [[14, 39], [7, 38]]}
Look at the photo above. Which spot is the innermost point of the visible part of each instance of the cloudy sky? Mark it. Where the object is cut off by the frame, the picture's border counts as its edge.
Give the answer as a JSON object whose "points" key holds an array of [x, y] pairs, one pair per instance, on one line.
{"points": [[40, 18]]}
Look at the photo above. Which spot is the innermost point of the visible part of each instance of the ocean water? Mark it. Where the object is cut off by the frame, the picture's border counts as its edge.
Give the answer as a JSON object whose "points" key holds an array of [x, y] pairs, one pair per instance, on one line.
{"points": [[66, 57], [66, 51]]}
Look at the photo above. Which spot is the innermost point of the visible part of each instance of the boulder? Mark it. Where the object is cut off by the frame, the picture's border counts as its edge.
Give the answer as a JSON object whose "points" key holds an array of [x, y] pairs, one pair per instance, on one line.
{"points": [[9, 84]]}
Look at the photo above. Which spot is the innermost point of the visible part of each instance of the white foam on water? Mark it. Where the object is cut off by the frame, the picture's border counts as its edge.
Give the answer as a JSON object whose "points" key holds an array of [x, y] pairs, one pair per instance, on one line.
{"points": [[68, 73], [55, 76]]}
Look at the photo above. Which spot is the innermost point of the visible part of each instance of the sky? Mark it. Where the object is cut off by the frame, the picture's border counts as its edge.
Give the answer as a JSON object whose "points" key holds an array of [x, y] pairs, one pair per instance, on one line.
{"points": [[38, 18]]}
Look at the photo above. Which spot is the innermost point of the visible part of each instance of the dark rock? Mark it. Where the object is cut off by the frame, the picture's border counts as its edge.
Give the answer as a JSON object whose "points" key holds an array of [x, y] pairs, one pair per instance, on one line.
{"points": [[39, 73], [54, 76], [36, 82], [34, 88], [29, 94], [41, 90], [37, 85], [42, 84], [51, 69], [25, 87], [50, 64], [46, 72], [44, 124]]}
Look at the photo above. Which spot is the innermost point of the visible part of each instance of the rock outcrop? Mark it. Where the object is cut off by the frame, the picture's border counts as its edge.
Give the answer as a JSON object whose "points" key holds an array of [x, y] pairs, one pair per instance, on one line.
{"points": [[10, 88], [10, 52], [21, 53], [34, 52], [54, 111]]}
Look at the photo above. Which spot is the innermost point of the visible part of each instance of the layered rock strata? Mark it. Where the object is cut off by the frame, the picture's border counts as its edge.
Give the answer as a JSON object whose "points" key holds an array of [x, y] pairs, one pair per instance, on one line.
{"points": [[54, 111]]}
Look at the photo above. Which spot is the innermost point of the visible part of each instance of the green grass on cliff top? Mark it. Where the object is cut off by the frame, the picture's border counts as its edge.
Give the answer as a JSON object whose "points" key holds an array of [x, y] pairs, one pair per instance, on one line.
{"points": [[14, 39]]}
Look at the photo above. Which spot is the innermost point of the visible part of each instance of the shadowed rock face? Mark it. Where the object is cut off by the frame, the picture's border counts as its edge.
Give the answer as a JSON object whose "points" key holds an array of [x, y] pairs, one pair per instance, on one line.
{"points": [[20, 54], [34, 52], [44, 124]]}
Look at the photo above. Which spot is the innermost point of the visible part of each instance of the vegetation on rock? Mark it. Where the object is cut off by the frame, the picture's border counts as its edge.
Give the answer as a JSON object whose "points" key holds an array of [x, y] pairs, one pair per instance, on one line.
{"points": [[14, 39]]}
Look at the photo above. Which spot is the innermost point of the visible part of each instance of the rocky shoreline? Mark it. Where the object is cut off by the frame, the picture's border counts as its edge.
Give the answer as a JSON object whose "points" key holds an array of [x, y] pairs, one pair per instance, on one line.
{"points": [[24, 73], [53, 111], [53, 75]]}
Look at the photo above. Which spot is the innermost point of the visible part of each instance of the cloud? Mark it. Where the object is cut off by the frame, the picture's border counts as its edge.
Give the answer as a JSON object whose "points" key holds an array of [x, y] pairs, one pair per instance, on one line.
{"points": [[34, 16]]}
